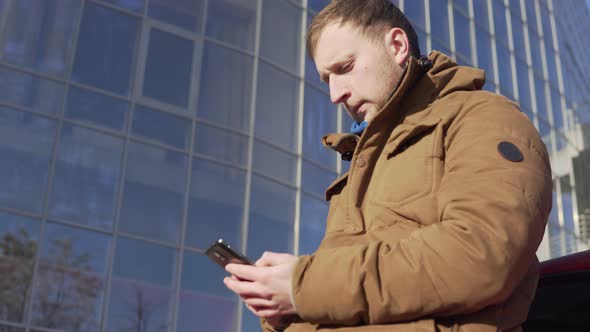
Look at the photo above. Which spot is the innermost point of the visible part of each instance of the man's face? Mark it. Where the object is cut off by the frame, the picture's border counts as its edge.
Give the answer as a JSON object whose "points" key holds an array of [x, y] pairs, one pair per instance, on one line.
{"points": [[361, 71]]}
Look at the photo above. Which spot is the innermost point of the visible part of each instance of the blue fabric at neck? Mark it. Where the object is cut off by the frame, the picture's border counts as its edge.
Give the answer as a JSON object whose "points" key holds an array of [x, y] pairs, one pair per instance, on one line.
{"points": [[358, 128]]}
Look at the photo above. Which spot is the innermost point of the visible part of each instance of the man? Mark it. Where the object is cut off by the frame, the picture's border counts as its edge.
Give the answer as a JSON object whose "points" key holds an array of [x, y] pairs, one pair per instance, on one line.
{"points": [[436, 225]]}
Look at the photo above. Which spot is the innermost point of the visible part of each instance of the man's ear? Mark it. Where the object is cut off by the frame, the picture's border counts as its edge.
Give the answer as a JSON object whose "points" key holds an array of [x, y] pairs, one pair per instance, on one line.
{"points": [[398, 44]]}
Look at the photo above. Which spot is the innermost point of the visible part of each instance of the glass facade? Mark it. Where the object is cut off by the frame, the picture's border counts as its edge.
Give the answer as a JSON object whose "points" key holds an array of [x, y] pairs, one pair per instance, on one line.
{"points": [[135, 133]]}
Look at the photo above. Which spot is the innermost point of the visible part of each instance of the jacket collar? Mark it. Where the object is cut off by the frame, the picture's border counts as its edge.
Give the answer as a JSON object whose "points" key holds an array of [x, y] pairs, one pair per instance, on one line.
{"points": [[424, 81]]}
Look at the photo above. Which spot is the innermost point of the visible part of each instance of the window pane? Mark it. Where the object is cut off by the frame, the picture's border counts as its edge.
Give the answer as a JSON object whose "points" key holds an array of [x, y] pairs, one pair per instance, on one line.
{"points": [[546, 23], [186, 14], [274, 162], [524, 92], [422, 41], [201, 275], [162, 127], [25, 145], [439, 20], [536, 54], [19, 240], [504, 68], [500, 26], [518, 36], [71, 275], [44, 43], [168, 68], [556, 110], [552, 68], [30, 92], [515, 8], [271, 218], [462, 35], [137, 306], [86, 177], [277, 107], [463, 5], [95, 108], [319, 118], [106, 46], [67, 299], [313, 224], [315, 179], [154, 193], [531, 16], [414, 10], [74, 248], [225, 99], [216, 205], [233, 22], [221, 144], [281, 45], [207, 312], [317, 5], [144, 262], [134, 5], [312, 75], [480, 9]]}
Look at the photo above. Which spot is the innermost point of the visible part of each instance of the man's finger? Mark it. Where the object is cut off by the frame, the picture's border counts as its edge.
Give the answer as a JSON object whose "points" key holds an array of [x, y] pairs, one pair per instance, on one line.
{"points": [[259, 303], [243, 271], [243, 288], [270, 258]]}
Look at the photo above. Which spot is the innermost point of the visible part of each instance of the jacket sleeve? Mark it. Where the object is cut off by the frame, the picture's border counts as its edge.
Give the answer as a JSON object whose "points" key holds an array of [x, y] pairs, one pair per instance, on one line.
{"points": [[492, 216]]}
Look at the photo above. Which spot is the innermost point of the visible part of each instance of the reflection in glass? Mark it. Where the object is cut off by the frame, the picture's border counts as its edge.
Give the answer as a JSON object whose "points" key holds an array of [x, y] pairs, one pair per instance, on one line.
{"points": [[313, 224], [186, 14], [153, 197], [225, 99], [233, 22], [319, 118], [163, 127], [274, 162], [45, 42], [221, 144], [277, 107], [207, 313], [105, 50], [271, 218], [19, 238], [216, 205], [30, 92], [315, 179], [439, 20], [144, 262], [138, 306], [415, 10], [201, 275], [25, 144], [167, 76], [70, 279], [134, 5], [95, 108], [462, 35], [281, 46], [86, 176]]}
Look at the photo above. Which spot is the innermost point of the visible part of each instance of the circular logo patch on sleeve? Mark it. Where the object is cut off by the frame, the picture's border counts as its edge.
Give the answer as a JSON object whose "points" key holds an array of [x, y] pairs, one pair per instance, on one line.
{"points": [[510, 152]]}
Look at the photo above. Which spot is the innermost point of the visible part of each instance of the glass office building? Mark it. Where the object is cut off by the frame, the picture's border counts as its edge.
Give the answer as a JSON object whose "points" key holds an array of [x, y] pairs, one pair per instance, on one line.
{"points": [[135, 133]]}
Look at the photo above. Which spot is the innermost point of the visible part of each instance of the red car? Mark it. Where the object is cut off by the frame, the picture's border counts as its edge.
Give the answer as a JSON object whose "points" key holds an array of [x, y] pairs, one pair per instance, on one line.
{"points": [[562, 302]]}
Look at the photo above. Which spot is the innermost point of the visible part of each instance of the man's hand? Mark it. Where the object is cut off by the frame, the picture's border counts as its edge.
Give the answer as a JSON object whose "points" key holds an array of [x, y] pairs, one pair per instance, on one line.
{"points": [[265, 287]]}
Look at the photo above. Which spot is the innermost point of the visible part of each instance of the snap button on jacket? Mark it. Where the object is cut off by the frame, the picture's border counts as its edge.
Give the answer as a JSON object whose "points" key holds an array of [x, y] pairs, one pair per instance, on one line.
{"points": [[432, 228]]}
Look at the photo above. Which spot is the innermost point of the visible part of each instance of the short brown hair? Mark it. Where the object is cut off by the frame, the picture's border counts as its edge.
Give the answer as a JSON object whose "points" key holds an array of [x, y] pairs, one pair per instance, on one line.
{"points": [[370, 15]]}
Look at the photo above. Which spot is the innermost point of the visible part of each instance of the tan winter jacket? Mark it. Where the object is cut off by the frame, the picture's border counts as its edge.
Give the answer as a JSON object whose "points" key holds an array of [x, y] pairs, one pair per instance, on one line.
{"points": [[436, 225]]}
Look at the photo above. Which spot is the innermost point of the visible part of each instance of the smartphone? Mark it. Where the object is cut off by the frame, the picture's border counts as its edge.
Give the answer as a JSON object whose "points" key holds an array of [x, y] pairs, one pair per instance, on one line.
{"points": [[222, 254]]}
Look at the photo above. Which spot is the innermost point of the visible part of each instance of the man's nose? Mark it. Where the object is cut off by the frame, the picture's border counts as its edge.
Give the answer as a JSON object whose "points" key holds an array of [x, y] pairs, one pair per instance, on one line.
{"points": [[338, 91]]}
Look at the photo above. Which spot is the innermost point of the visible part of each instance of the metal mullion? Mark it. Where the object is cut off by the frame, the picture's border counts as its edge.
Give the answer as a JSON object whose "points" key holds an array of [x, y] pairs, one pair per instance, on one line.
{"points": [[314, 195], [248, 184], [115, 8], [163, 106], [136, 237], [12, 324], [92, 126], [31, 72], [172, 29], [472, 33], [316, 86], [276, 180], [300, 122], [139, 64], [18, 108], [99, 91], [51, 173], [198, 47], [3, 18], [219, 162], [275, 146], [494, 46], [155, 144], [220, 126], [229, 46], [428, 27], [65, 222], [280, 67], [320, 165], [451, 25], [18, 212]]}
